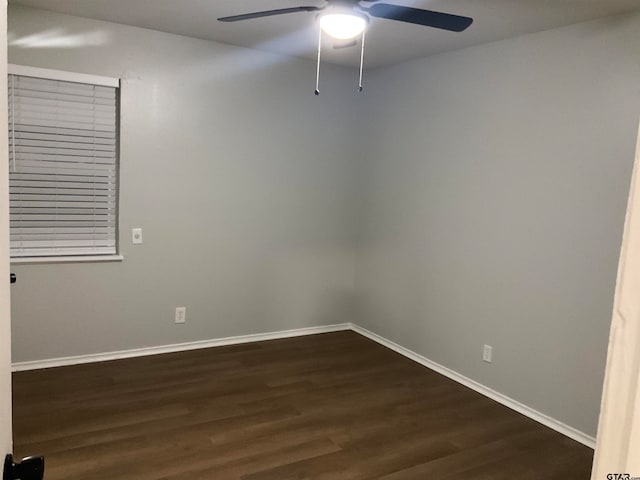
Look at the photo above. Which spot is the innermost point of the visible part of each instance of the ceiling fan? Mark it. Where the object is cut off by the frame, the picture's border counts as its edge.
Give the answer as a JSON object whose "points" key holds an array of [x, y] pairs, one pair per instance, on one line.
{"points": [[346, 19]]}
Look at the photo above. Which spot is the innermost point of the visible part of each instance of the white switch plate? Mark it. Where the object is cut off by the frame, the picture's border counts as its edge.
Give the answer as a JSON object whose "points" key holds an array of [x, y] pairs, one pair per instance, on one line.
{"points": [[136, 236], [181, 314], [487, 353]]}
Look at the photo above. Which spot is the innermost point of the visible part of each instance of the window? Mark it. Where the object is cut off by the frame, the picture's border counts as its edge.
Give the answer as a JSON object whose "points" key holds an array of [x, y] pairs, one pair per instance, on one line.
{"points": [[63, 149]]}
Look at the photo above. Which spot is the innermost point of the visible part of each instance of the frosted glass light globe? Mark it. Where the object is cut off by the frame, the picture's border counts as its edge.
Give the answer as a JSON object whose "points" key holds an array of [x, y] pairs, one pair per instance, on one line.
{"points": [[342, 25]]}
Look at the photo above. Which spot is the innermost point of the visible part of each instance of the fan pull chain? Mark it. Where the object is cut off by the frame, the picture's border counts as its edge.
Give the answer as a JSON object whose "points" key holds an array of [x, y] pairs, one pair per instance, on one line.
{"points": [[361, 62], [318, 66]]}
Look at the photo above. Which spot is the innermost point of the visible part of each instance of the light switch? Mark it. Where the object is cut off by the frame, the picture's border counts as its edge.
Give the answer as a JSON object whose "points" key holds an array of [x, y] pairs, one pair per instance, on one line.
{"points": [[136, 236]]}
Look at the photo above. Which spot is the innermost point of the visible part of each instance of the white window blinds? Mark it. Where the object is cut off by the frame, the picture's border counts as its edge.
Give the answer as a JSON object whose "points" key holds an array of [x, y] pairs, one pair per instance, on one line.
{"points": [[62, 167]]}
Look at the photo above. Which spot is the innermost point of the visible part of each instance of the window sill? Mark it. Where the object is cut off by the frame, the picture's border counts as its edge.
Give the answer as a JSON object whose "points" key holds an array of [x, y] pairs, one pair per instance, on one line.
{"points": [[69, 259]]}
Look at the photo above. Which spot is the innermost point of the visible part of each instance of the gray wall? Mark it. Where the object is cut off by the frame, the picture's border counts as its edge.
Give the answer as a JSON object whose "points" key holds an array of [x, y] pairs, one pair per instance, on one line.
{"points": [[240, 177], [495, 193]]}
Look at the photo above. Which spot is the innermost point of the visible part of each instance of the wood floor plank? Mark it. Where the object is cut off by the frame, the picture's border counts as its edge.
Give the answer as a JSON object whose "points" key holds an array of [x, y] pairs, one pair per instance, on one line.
{"points": [[324, 407]]}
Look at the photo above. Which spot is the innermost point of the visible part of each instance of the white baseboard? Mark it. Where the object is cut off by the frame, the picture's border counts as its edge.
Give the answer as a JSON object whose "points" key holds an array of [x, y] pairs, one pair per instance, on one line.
{"points": [[550, 422], [540, 417], [176, 347]]}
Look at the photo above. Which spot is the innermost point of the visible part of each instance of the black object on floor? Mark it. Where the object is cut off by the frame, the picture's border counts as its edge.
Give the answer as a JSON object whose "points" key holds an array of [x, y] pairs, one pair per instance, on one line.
{"points": [[31, 468]]}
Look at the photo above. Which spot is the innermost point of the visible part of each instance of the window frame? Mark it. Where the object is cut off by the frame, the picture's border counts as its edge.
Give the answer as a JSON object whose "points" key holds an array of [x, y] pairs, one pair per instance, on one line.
{"points": [[97, 80]]}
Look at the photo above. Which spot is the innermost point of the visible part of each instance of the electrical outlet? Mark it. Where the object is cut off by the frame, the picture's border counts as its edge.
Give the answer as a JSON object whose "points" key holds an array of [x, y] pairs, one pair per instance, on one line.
{"points": [[181, 314], [487, 353]]}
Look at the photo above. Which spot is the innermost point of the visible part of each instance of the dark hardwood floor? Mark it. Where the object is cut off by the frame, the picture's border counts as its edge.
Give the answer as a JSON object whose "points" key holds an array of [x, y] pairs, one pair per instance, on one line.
{"points": [[330, 406]]}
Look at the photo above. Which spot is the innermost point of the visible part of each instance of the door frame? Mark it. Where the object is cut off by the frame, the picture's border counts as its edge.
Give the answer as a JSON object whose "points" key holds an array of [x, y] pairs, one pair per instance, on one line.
{"points": [[6, 433], [618, 443]]}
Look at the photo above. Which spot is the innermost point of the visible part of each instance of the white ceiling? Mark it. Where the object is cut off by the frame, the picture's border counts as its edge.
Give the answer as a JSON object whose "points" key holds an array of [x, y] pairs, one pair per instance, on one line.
{"points": [[388, 41]]}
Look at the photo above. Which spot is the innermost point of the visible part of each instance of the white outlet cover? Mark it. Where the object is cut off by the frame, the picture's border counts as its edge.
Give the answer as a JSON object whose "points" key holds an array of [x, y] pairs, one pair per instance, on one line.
{"points": [[181, 314], [487, 353]]}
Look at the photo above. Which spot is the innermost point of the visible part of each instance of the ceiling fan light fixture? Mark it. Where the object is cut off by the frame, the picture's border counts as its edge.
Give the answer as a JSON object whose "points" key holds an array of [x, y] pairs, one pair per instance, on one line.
{"points": [[343, 26], [346, 19]]}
